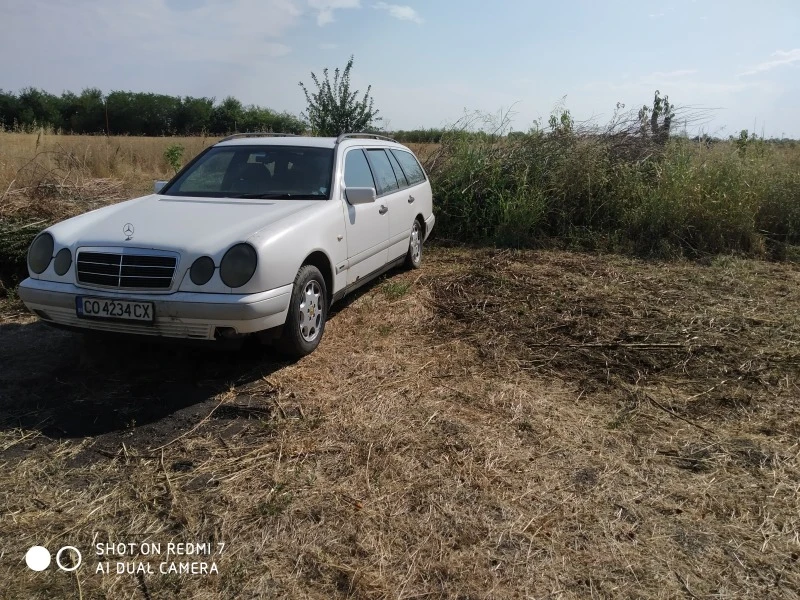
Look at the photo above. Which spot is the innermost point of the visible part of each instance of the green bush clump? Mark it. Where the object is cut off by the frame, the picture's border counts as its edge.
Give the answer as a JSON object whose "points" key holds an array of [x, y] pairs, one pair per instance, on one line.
{"points": [[624, 189], [16, 236], [173, 156]]}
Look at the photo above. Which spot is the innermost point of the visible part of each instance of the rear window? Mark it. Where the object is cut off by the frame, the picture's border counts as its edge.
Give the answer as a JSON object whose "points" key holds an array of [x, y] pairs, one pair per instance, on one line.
{"points": [[411, 168], [401, 178]]}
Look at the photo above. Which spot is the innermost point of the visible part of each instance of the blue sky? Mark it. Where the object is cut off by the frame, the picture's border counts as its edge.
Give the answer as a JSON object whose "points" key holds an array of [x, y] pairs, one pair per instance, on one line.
{"points": [[427, 62]]}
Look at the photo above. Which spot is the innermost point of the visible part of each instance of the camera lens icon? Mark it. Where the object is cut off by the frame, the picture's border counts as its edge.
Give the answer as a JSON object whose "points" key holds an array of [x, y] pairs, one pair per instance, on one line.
{"points": [[38, 558]]}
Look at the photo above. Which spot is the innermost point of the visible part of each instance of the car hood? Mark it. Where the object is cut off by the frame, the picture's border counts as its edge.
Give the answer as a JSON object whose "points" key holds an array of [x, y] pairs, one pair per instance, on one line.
{"points": [[181, 224]]}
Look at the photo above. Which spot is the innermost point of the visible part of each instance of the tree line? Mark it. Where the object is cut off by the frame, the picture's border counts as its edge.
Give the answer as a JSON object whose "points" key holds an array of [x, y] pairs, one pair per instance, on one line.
{"points": [[138, 113]]}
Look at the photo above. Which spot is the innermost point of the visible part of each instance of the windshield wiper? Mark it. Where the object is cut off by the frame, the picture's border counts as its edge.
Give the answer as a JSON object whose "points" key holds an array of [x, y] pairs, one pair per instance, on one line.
{"points": [[276, 196]]}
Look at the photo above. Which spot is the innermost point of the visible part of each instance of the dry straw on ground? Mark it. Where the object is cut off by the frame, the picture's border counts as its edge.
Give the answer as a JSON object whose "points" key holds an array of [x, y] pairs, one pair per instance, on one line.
{"points": [[496, 425]]}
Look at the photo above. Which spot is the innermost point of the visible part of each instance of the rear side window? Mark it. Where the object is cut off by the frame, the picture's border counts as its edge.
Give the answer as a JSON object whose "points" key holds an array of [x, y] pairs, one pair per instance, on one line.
{"points": [[401, 178], [384, 174], [411, 168], [356, 170]]}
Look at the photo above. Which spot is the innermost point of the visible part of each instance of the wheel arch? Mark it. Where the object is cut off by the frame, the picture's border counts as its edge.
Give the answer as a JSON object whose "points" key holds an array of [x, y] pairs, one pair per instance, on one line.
{"points": [[320, 260], [421, 220]]}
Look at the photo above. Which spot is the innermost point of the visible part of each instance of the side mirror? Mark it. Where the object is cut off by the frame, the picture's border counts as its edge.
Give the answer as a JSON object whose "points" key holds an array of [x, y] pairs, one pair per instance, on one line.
{"points": [[360, 195], [158, 186]]}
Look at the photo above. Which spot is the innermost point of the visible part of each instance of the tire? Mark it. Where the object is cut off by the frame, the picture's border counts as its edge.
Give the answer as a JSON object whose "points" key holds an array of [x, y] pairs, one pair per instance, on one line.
{"points": [[414, 255], [308, 311]]}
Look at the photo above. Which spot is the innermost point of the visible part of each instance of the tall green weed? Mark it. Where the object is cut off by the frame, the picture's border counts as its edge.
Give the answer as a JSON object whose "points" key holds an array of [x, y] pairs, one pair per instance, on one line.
{"points": [[618, 191]]}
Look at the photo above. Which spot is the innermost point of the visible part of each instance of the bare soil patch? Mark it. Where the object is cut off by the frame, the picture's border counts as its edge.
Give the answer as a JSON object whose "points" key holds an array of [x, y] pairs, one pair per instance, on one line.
{"points": [[499, 424]]}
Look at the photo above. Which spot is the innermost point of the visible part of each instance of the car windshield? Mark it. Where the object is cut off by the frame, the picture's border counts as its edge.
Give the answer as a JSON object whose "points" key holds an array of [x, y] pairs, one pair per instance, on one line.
{"points": [[268, 172]]}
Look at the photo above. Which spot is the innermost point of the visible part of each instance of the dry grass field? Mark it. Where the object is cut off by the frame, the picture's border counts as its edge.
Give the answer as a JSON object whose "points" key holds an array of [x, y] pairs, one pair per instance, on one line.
{"points": [[499, 424], [26, 159]]}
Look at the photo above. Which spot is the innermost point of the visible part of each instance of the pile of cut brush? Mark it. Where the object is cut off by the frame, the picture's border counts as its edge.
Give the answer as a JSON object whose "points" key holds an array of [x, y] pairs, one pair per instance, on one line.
{"points": [[51, 187], [600, 327]]}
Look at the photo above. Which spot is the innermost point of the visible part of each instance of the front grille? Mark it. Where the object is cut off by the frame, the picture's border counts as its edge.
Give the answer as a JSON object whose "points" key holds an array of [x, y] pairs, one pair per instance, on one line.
{"points": [[138, 271]]}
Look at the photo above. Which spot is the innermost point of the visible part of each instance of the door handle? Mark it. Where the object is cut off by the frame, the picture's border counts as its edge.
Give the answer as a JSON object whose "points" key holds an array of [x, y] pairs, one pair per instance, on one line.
{"points": [[384, 209], [410, 199]]}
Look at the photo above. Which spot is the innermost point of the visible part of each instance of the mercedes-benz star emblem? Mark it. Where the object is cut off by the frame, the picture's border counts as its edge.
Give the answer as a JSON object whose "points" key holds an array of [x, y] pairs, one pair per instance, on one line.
{"points": [[128, 231]]}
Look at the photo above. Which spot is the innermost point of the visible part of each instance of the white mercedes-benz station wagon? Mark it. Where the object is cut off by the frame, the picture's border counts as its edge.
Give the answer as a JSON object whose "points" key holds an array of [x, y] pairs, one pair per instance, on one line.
{"points": [[260, 233]]}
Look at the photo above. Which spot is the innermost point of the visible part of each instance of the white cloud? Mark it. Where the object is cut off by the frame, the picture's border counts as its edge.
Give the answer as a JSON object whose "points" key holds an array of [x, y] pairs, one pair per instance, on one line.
{"points": [[325, 8], [401, 12], [779, 59], [656, 15], [206, 48], [152, 28]]}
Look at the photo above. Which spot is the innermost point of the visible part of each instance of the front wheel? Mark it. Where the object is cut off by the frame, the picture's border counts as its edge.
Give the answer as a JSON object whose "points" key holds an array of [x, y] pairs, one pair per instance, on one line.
{"points": [[414, 256], [308, 311]]}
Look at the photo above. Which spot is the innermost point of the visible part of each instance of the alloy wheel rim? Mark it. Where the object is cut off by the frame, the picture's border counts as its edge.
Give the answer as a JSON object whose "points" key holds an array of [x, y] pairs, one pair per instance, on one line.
{"points": [[311, 311]]}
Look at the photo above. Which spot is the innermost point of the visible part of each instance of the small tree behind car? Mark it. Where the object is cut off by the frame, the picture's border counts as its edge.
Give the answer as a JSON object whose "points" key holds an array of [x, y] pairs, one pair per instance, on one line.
{"points": [[333, 109]]}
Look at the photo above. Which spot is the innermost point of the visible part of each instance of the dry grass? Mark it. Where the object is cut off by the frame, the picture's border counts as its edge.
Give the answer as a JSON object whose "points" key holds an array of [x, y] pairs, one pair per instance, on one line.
{"points": [[497, 425], [135, 161]]}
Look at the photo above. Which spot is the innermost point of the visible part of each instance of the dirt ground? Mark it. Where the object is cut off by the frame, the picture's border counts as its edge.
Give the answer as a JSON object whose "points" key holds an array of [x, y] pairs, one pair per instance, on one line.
{"points": [[498, 424]]}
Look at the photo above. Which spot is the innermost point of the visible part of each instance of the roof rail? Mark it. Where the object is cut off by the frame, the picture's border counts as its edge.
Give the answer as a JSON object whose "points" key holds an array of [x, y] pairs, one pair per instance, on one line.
{"points": [[374, 136], [250, 134]]}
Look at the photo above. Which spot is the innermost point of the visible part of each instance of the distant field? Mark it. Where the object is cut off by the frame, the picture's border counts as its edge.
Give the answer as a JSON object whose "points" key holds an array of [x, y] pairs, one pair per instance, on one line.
{"points": [[134, 160]]}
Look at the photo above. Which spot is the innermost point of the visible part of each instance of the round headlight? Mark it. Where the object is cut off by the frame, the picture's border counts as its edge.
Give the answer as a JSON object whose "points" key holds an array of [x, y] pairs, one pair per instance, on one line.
{"points": [[63, 261], [238, 265], [202, 270], [40, 253]]}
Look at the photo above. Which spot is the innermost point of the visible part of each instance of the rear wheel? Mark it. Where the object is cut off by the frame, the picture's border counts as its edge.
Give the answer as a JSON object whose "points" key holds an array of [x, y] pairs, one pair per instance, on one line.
{"points": [[308, 311], [414, 256]]}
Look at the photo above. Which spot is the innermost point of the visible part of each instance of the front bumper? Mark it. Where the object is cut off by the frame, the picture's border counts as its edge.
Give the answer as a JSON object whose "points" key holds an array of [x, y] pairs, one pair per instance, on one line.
{"points": [[186, 315]]}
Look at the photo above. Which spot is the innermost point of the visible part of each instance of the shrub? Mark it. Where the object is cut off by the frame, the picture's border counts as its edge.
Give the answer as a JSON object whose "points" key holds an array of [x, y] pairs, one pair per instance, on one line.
{"points": [[624, 188], [16, 236], [173, 156], [334, 109]]}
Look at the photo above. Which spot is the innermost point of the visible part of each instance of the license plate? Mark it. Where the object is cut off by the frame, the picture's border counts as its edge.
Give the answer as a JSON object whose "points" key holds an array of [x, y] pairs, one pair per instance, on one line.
{"points": [[114, 310]]}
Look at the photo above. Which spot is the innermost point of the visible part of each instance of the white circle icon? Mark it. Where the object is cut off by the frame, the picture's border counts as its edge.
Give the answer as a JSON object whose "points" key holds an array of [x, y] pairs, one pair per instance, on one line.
{"points": [[37, 558], [58, 559]]}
